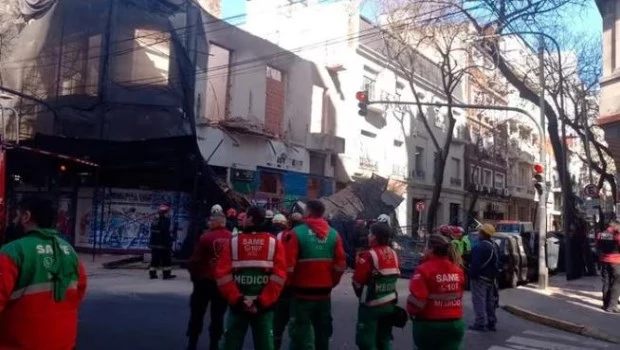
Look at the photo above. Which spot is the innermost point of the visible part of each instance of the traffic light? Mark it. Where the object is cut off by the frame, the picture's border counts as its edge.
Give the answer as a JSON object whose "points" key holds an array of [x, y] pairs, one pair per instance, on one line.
{"points": [[362, 97], [539, 178]]}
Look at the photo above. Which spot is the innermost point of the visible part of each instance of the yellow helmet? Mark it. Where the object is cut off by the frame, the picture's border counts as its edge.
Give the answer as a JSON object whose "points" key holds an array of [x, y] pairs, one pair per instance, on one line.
{"points": [[488, 229]]}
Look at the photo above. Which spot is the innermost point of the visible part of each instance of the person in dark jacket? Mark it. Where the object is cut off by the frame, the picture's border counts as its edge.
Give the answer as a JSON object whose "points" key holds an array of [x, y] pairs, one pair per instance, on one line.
{"points": [[161, 244], [231, 219], [202, 271], [483, 273]]}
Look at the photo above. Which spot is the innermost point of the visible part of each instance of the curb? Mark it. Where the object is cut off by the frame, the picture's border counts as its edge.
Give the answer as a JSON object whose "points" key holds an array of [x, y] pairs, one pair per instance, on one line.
{"points": [[560, 324]]}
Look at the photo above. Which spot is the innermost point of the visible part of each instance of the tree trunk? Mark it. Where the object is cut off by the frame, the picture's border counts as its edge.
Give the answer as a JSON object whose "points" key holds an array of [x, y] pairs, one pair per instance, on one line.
{"points": [[439, 166]]}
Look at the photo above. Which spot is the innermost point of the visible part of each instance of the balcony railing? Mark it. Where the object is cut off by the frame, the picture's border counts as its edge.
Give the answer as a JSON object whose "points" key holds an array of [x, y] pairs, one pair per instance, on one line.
{"points": [[368, 164]]}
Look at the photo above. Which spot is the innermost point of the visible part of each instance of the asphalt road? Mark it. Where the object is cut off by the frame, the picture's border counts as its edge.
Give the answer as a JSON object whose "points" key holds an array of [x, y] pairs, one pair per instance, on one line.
{"points": [[124, 310]]}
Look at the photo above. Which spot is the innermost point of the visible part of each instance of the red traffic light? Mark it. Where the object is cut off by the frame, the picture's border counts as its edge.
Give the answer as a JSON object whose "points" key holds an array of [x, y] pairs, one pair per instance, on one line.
{"points": [[538, 168], [361, 96], [63, 168]]}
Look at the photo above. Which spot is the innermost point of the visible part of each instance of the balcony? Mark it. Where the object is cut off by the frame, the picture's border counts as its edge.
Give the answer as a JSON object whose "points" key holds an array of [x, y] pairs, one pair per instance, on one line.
{"points": [[367, 163], [399, 170], [455, 181], [325, 143]]}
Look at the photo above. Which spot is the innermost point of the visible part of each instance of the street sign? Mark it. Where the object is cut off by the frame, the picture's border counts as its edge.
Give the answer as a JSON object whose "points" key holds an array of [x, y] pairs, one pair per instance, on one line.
{"points": [[420, 206], [591, 190]]}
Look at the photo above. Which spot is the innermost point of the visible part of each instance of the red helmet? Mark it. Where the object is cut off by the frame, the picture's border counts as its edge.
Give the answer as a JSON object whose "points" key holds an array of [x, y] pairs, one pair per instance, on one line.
{"points": [[457, 232], [231, 213], [445, 230]]}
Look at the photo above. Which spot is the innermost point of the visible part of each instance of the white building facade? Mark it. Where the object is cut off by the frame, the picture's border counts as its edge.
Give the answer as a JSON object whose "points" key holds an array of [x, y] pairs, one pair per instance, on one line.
{"points": [[390, 142]]}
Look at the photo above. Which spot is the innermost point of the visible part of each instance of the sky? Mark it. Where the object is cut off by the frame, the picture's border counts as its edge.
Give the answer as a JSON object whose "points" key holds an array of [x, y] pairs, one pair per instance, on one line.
{"points": [[586, 21]]}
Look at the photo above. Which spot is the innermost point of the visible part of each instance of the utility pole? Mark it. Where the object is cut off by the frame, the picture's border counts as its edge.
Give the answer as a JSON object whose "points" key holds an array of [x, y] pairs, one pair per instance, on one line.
{"points": [[543, 277]]}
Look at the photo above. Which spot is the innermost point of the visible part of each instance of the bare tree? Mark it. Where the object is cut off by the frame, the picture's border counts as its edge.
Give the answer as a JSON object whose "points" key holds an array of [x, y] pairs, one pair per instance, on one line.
{"points": [[410, 30], [492, 19]]}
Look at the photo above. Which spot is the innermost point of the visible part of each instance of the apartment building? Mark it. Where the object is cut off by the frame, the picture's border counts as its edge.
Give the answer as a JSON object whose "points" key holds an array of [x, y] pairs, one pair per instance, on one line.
{"points": [[609, 118], [390, 141]]}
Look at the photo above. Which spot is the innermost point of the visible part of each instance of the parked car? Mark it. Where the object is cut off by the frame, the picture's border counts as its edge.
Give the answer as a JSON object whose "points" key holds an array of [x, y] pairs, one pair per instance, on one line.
{"points": [[512, 260], [410, 252]]}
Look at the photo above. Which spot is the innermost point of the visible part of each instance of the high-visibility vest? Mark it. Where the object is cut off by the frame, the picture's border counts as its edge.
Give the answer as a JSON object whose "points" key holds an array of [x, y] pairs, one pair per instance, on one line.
{"points": [[252, 261], [382, 287], [315, 263]]}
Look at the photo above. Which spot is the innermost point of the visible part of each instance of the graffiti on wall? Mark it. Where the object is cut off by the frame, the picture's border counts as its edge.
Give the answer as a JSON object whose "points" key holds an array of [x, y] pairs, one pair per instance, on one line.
{"points": [[127, 218]]}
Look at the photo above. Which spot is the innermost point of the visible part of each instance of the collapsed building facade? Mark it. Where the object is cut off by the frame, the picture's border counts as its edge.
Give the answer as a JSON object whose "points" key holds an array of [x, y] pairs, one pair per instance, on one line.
{"points": [[105, 95]]}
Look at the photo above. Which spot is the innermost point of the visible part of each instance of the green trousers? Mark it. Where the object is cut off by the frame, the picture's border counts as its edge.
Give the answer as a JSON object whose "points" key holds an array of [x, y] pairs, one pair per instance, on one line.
{"points": [[438, 335], [311, 324], [237, 326], [281, 317], [374, 328]]}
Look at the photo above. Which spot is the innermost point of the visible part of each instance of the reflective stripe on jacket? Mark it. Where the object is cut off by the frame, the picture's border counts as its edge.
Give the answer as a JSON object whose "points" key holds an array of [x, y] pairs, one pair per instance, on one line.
{"points": [[252, 266], [436, 290], [375, 277]]}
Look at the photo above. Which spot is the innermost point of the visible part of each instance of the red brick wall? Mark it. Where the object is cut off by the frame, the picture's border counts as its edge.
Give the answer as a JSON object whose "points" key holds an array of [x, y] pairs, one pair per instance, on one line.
{"points": [[274, 106]]}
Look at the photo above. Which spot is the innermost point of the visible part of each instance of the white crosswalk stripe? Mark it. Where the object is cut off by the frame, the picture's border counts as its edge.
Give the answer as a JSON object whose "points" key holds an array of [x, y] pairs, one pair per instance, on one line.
{"points": [[538, 340]]}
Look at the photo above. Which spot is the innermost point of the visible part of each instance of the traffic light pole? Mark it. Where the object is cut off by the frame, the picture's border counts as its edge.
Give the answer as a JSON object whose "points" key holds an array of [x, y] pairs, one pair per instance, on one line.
{"points": [[543, 278], [543, 273]]}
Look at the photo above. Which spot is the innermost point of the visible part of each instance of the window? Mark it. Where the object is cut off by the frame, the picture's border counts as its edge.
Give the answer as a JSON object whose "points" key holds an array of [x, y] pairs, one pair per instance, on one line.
{"points": [[475, 174], [368, 134], [398, 143], [274, 74], [270, 182], [369, 84], [217, 83], [79, 65], [488, 178], [419, 159], [500, 180], [456, 168], [146, 60], [455, 213], [316, 117]]}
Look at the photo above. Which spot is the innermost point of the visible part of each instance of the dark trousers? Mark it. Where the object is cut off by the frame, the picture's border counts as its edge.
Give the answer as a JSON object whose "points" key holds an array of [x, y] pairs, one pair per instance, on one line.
{"points": [[281, 317], [205, 291], [484, 298], [161, 259], [610, 274]]}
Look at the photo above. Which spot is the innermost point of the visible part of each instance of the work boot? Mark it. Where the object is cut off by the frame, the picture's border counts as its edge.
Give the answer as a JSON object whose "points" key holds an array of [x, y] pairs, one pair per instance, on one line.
{"points": [[491, 328], [168, 275], [153, 274]]}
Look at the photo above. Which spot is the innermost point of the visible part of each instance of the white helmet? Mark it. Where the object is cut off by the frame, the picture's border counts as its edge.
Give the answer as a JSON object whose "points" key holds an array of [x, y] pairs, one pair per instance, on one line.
{"points": [[279, 219], [269, 214], [385, 219], [217, 209]]}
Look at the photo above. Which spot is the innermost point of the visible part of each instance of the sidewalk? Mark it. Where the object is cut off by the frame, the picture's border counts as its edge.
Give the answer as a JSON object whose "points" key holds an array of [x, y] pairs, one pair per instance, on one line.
{"points": [[573, 306]]}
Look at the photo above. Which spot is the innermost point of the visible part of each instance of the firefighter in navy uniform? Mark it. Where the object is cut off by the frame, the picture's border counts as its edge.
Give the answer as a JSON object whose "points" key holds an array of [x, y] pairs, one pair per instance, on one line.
{"points": [[374, 283], [250, 274], [608, 246], [161, 245]]}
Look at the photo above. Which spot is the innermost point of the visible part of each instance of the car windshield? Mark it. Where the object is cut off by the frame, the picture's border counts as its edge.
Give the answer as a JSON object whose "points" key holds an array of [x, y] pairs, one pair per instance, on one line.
{"points": [[509, 228]]}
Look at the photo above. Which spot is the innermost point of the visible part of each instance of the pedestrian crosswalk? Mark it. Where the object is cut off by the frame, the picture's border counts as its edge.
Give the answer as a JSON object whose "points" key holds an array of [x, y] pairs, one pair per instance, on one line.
{"points": [[539, 340]]}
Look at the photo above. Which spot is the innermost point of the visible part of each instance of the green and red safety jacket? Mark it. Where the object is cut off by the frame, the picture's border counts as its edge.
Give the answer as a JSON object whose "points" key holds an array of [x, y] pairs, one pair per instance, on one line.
{"points": [[42, 284]]}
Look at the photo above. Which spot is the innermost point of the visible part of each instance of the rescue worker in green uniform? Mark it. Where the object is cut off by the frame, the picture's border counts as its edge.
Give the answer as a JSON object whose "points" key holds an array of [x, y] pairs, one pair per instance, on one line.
{"points": [[316, 260], [374, 282]]}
